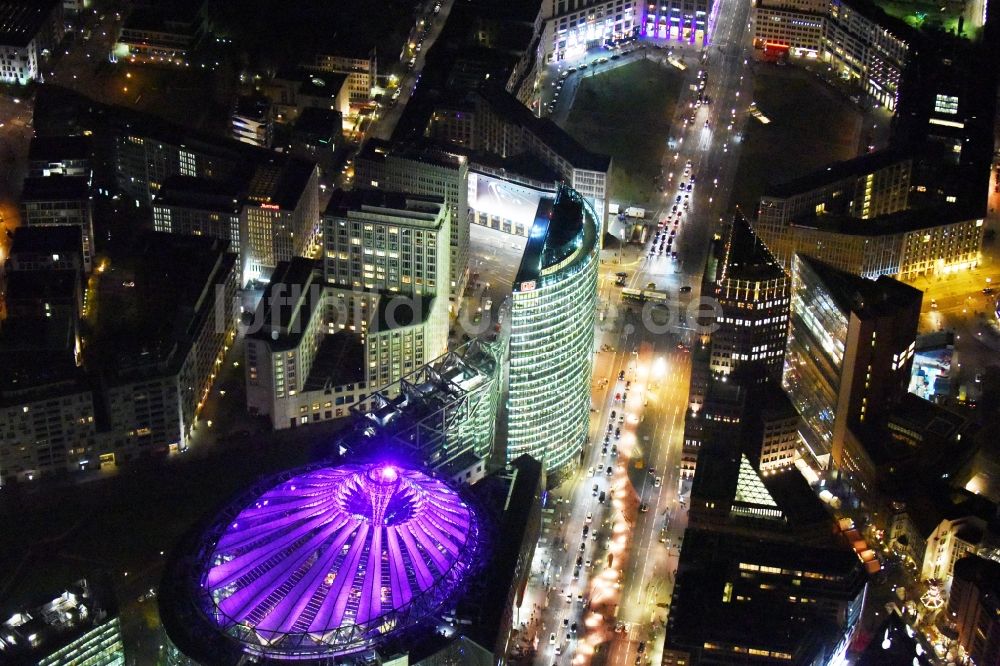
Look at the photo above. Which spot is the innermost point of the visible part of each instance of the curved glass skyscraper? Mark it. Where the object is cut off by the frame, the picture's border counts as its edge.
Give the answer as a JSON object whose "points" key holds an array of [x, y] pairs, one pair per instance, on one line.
{"points": [[552, 333]]}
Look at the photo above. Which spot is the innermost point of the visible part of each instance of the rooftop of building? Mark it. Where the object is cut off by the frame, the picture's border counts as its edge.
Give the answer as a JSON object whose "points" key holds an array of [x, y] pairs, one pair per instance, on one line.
{"points": [[909, 220], [61, 239], [396, 311], [339, 361], [62, 111], [533, 258], [53, 148], [20, 20], [414, 207], [523, 483], [523, 11], [254, 107], [153, 299], [935, 340], [508, 106], [773, 402], [419, 151], [473, 63], [200, 193], [55, 188], [747, 257], [317, 121], [281, 181], [928, 418], [894, 643], [313, 82], [31, 631], [517, 167], [725, 475], [853, 293], [398, 412], [281, 323], [37, 358], [49, 285], [898, 27], [562, 228], [523, 169], [165, 17], [712, 563], [927, 504], [981, 572], [351, 38], [853, 168]]}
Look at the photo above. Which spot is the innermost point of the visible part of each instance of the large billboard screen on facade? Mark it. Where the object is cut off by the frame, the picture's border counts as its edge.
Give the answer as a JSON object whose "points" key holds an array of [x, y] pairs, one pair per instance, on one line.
{"points": [[502, 199]]}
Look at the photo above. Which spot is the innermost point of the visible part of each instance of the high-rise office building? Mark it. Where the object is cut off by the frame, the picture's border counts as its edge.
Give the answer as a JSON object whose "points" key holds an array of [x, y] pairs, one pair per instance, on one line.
{"points": [[200, 207], [753, 294], [849, 353], [772, 437], [374, 311], [396, 245], [864, 187], [424, 170], [552, 333], [741, 600], [388, 241], [49, 201], [280, 215]]}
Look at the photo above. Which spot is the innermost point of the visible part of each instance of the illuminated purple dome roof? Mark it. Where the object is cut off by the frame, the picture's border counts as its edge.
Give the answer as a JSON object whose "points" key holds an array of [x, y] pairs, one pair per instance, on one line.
{"points": [[332, 560]]}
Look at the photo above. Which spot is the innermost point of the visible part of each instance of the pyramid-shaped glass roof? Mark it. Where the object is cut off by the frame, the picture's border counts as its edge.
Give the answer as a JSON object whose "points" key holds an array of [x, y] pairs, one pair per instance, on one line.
{"points": [[749, 487]]}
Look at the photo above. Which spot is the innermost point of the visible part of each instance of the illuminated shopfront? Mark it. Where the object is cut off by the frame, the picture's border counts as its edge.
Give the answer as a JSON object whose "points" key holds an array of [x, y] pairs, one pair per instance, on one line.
{"points": [[680, 22]]}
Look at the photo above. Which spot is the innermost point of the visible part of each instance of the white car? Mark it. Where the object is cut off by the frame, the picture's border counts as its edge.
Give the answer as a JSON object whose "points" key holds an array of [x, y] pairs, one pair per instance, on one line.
{"points": [[552, 639], [659, 480], [590, 518]]}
